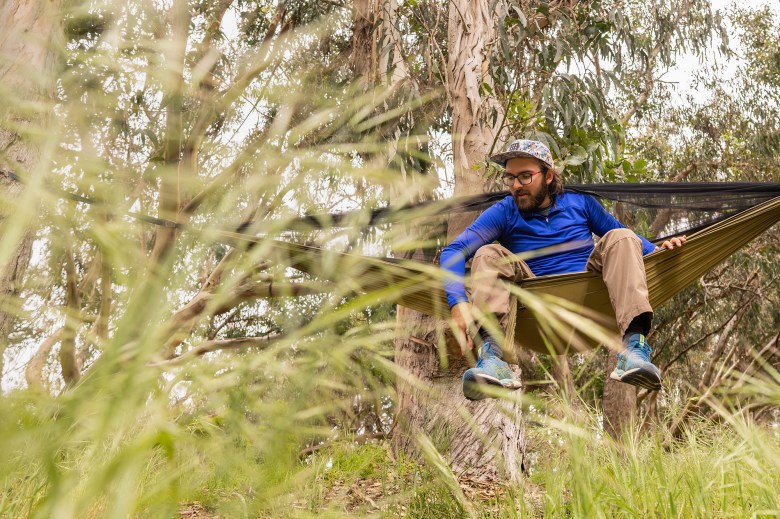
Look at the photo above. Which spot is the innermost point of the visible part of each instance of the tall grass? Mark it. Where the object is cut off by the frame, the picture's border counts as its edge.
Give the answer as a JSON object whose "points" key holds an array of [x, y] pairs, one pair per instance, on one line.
{"points": [[238, 453]]}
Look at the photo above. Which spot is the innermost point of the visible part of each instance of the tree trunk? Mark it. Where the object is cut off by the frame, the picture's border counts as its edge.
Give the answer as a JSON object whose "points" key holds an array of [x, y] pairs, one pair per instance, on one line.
{"points": [[392, 66], [363, 56], [29, 30], [482, 439], [376, 54], [474, 119], [618, 402]]}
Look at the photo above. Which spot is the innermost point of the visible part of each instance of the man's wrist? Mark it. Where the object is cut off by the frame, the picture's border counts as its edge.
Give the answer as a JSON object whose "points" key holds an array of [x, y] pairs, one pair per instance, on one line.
{"points": [[457, 302]]}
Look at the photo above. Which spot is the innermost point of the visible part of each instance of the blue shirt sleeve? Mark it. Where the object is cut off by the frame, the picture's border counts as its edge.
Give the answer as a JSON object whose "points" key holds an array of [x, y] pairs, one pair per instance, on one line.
{"points": [[485, 229], [601, 222]]}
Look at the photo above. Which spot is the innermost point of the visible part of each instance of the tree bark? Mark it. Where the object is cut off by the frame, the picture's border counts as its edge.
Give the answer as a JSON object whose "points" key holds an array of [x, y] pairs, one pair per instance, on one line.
{"points": [[482, 439], [474, 118], [618, 402], [174, 165], [29, 30], [392, 65], [363, 56]]}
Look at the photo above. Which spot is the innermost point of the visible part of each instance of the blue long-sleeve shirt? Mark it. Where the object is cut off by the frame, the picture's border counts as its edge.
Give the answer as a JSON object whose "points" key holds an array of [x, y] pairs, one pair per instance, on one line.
{"points": [[573, 220]]}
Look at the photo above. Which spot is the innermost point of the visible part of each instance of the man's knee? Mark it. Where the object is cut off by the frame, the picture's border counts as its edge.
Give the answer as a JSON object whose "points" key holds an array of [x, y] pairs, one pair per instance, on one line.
{"points": [[491, 258], [490, 253], [616, 235]]}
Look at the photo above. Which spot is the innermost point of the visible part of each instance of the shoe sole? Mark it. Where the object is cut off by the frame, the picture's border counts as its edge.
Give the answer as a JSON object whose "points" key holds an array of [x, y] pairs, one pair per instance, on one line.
{"points": [[471, 388], [639, 377]]}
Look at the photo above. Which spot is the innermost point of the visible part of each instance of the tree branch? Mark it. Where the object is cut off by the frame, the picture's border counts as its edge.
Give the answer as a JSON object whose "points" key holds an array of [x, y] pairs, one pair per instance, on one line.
{"points": [[219, 344], [771, 348], [99, 330], [181, 323], [270, 290], [705, 387], [33, 373], [703, 337], [649, 68], [69, 363], [207, 302], [214, 331], [169, 195], [276, 20]]}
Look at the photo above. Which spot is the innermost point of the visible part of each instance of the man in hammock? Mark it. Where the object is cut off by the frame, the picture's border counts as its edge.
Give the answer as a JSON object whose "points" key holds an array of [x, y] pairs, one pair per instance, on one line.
{"points": [[539, 214]]}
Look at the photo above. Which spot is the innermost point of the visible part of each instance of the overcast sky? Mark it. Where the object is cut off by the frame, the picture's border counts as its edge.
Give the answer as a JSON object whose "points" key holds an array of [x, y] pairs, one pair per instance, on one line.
{"points": [[681, 74]]}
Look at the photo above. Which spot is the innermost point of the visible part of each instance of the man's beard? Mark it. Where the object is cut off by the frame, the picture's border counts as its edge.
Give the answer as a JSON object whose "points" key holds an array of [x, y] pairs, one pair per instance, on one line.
{"points": [[532, 203]]}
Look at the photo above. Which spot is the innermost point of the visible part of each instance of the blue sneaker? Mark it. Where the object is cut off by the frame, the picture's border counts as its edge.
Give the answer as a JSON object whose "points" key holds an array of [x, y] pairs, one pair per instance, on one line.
{"points": [[491, 370], [634, 366]]}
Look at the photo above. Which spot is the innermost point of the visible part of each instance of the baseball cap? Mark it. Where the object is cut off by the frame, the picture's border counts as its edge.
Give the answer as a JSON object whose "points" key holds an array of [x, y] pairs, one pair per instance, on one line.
{"points": [[525, 148]]}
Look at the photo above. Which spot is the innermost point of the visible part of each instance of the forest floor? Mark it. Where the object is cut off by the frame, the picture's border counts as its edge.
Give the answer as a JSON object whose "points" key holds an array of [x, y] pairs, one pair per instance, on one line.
{"points": [[713, 471], [390, 496]]}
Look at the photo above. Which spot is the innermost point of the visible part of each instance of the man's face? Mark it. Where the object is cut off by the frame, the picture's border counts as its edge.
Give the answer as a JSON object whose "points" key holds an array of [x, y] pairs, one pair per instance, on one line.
{"points": [[535, 195]]}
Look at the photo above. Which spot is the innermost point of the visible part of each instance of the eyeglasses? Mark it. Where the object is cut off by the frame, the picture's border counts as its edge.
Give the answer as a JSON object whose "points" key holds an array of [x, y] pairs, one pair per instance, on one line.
{"points": [[525, 178]]}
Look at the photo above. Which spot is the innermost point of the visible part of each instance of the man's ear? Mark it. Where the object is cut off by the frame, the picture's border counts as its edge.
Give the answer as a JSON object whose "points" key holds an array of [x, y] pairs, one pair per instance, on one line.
{"points": [[548, 177]]}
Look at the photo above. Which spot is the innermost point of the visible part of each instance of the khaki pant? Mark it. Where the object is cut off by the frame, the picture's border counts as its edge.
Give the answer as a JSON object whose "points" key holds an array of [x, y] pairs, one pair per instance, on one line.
{"points": [[617, 256]]}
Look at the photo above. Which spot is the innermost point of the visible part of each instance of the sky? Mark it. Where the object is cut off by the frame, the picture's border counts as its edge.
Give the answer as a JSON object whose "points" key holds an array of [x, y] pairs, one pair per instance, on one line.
{"points": [[681, 74]]}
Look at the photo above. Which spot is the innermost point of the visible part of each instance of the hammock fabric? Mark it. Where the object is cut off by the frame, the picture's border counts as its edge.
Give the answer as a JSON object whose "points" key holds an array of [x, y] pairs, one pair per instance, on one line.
{"points": [[418, 286]]}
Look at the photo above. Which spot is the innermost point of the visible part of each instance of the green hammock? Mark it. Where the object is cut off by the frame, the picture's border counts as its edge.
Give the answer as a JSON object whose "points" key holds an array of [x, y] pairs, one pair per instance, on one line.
{"points": [[418, 286]]}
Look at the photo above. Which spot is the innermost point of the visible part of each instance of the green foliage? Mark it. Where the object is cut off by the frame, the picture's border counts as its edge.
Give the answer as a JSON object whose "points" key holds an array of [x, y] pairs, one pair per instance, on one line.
{"points": [[584, 67]]}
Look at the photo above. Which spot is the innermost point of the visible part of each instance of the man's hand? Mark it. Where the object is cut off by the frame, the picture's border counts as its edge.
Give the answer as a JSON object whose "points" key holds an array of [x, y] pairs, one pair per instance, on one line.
{"points": [[464, 326], [674, 242]]}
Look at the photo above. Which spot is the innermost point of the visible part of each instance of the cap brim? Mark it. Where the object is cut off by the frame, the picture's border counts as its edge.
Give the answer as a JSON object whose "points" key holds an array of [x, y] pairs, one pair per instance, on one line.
{"points": [[502, 158]]}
